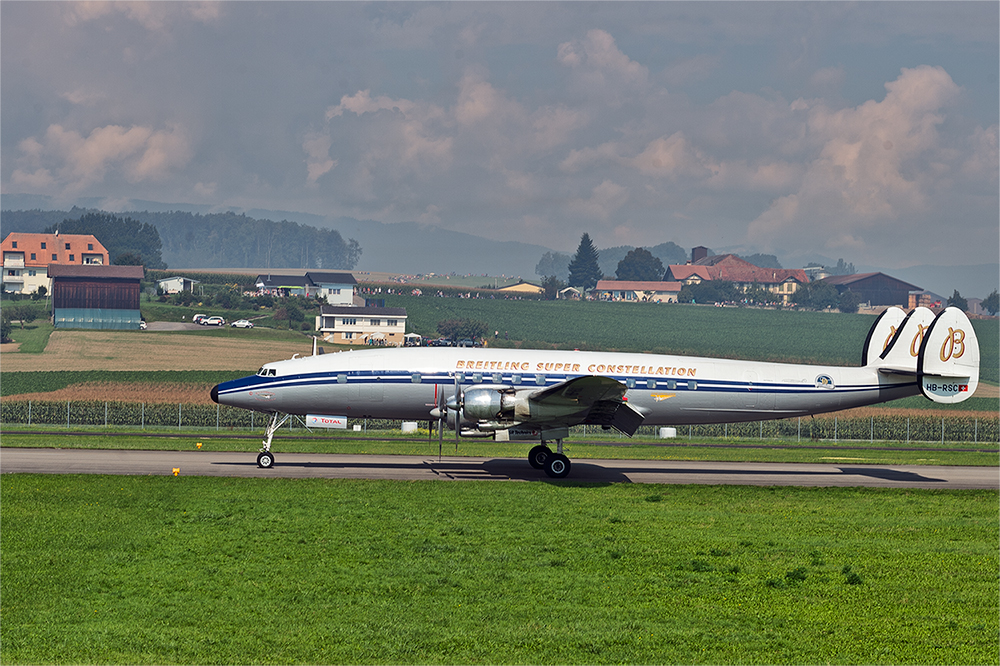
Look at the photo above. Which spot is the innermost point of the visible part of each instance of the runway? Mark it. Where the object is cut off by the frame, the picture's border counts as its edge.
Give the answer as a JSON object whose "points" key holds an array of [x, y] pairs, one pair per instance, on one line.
{"points": [[425, 468]]}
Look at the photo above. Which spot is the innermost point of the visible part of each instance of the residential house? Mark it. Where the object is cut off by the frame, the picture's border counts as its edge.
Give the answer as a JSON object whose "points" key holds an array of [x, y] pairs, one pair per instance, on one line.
{"points": [[782, 282], [336, 288], [638, 291], [27, 257], [349, 325]]}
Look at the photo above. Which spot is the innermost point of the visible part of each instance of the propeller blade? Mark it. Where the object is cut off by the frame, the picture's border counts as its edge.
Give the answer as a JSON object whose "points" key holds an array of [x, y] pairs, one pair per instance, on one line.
{"points": [[458, 410], [444, 414]]}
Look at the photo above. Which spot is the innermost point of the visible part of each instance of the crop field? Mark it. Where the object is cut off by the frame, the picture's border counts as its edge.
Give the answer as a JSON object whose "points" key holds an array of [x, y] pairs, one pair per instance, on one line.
{"points": [[764, 335], [151, 570], [143, 350]]}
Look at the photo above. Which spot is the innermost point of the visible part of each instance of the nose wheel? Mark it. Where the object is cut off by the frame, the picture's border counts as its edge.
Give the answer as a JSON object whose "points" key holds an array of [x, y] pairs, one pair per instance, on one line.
{"points": [[265, 459]]}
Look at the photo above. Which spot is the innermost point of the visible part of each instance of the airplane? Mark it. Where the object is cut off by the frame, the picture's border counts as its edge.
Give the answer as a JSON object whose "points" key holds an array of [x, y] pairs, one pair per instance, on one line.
{"points": [[538, 395]]}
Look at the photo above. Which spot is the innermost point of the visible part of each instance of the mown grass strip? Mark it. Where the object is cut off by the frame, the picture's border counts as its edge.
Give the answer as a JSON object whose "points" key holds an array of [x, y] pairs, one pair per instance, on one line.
{"points": [[387, 443], [190, 570]]}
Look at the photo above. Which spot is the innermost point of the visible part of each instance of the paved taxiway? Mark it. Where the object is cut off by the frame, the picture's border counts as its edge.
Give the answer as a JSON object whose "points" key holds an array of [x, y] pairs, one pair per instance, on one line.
{"points": [[418, 468]]}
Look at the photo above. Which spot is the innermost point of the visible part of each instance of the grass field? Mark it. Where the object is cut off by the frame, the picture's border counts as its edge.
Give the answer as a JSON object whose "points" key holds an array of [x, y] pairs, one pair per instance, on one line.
{"points": [[197, 570]]}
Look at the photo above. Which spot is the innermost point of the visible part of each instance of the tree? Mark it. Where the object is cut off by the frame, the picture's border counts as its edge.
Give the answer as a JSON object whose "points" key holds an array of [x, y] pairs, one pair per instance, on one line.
{"points": [[958, 301], [841, 268], [639, 264], [552, 285], [553, 264], [584, 269], [23, 312], [460, 329], [849, 302], [992, 302], [817, 296], [127, 259], [119, 235], [5, 327]]}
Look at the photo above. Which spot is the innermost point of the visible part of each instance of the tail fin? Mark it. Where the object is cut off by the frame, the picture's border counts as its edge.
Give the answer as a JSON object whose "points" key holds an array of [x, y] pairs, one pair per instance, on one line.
{"points": [[948, 363], [881, 334], [900, 356]]}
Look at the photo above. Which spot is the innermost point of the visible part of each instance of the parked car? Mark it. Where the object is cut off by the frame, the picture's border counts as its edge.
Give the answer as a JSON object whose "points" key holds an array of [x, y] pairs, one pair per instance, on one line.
{"points": [[242, 323], [199, 319], [213, 321], [142, 324]]}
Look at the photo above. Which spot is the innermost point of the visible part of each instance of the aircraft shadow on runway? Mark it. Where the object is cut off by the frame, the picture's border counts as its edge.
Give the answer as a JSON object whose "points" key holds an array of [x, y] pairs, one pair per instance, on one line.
{"points": [[519, 470]]}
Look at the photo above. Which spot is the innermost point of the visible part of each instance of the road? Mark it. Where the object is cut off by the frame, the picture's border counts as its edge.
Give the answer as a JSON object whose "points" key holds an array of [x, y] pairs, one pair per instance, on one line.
{"points": [[417, 468]]}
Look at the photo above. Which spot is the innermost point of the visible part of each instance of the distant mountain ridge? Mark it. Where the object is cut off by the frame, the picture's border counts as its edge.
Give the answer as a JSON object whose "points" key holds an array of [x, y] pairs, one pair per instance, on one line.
{"points": [[412, 248]]}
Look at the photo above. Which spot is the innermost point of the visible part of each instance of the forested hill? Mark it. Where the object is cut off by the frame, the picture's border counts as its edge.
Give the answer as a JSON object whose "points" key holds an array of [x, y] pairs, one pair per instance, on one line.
{"points": [[220, 240]]}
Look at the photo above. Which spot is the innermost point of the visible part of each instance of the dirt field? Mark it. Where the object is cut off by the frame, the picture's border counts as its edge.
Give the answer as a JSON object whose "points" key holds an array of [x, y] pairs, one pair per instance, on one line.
{"points": [[128, 350], [189, 394]]}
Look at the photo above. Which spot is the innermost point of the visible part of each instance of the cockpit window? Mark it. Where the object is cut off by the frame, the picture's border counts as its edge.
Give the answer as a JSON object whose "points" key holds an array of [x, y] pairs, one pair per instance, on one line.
{"points": [[260, 373], [266, 372]]}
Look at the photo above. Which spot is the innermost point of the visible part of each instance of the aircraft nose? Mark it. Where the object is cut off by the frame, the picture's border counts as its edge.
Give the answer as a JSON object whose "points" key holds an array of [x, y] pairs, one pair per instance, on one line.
{"points": [[215, 393]]}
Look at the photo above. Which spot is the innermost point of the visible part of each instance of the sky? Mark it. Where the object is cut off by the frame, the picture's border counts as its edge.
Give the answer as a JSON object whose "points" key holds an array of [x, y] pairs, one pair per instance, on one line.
{"points": [[867, 131]]}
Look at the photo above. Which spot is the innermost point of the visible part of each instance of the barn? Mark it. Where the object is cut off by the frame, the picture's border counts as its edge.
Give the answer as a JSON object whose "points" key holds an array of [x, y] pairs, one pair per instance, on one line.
{"points": [[874, 288], [95, 296]]}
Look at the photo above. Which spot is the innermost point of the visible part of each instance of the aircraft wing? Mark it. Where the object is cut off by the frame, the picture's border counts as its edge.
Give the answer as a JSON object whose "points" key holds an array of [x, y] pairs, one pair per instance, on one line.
{"points": [[598, 401]]}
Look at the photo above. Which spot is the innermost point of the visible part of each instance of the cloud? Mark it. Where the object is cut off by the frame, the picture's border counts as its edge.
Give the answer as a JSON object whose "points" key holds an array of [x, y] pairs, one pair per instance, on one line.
{"points": [[317, 148], [66, 159], [605, 199], [601, 70], [870, 167], [153, 16]]}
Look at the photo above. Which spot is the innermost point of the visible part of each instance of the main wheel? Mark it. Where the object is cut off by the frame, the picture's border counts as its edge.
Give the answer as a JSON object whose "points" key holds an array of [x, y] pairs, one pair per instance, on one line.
{"points": [[265, 460], [538, 455], [557, 466]]}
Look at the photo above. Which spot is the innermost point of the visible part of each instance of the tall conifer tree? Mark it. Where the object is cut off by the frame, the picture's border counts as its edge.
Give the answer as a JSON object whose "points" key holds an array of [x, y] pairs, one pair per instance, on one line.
{"points": [[584, 269]]}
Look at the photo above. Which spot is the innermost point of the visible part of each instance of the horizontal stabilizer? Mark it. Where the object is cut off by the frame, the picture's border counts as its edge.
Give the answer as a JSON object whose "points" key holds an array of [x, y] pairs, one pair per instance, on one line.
{"points": [[948, 363]]}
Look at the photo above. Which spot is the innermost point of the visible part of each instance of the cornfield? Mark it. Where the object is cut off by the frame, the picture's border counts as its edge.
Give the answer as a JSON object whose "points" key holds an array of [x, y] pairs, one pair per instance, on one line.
{"points": [[883, 428]]}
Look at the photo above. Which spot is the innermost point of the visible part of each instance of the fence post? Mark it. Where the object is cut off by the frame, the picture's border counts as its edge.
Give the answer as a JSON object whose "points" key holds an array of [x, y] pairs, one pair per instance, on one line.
{"points": [[834, 429], [178, 416], [975, 435], [762, 431], [942, 431], [105, 413], [907, 429], [67, 414], [800, 429], [217, 405], [143, 416], [871, 431], [29, 412]]}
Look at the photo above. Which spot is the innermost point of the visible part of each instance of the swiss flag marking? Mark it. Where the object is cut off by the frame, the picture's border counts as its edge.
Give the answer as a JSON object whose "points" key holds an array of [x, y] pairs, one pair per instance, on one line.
{"points": [[963, 387]]}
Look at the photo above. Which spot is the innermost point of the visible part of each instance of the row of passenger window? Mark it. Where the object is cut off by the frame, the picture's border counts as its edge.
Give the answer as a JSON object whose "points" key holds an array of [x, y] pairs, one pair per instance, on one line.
{"points": [[539, 380]]}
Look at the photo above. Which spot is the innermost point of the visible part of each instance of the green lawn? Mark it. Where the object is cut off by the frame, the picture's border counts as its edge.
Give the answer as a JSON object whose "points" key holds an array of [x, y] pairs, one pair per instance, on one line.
{"points": [[158, 570]]}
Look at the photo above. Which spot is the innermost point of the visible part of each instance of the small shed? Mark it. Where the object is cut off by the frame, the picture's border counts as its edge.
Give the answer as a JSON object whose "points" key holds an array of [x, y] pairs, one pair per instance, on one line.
{"points": [[96, 296], [176, 284]]}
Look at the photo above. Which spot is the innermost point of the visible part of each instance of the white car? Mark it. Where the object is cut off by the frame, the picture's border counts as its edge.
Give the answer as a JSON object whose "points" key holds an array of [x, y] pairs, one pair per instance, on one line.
{"points": [[242, 323], [199, 319], [214, 321]]}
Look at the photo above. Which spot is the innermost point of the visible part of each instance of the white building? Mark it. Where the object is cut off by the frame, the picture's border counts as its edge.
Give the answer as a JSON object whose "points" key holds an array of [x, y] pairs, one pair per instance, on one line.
{"points": [[346, 325]]}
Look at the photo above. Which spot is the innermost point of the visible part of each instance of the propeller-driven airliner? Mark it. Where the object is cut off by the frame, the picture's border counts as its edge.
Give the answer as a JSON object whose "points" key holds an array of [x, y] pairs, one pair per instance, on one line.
{"points": [[536, 395]]}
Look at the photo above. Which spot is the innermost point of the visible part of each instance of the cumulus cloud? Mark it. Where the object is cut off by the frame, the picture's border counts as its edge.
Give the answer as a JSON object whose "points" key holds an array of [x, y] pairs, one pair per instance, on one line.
{"points": [[869, 165], [67, 159], [604, 200], [153, 16]]}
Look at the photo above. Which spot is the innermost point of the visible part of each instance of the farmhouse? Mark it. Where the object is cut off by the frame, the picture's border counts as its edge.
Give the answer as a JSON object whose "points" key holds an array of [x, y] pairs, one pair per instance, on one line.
{"points": [[368, 325], [336, 288], [95, 296], [27, 257], [874, 288], [637, 291], [782, 282]]}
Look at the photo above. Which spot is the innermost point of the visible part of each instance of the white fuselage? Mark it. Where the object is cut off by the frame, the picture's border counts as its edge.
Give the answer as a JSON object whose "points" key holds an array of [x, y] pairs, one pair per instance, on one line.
{"points": [[409, 383]]}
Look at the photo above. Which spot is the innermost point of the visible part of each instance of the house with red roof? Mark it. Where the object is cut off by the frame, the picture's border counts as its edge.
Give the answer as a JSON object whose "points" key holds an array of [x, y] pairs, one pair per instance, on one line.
{"points": [[27, 257], [782, 282]]}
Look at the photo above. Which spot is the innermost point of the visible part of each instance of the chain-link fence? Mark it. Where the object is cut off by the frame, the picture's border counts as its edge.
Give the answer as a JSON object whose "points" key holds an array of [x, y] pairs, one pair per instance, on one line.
{"points": [[927, 428]]}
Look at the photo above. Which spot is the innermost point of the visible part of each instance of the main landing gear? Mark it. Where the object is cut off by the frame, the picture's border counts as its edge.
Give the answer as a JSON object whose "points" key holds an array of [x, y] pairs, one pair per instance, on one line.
{"points": [[265, 458], [556, 465]]}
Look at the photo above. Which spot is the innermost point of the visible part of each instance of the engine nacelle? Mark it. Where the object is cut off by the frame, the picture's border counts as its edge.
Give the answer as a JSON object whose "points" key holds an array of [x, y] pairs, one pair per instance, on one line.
{"points": [[488, 404]]}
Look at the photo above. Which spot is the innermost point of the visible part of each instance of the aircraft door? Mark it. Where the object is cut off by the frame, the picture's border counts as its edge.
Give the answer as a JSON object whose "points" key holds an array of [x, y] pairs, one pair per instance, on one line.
{"points": [[363, 379], [757, 394]]}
